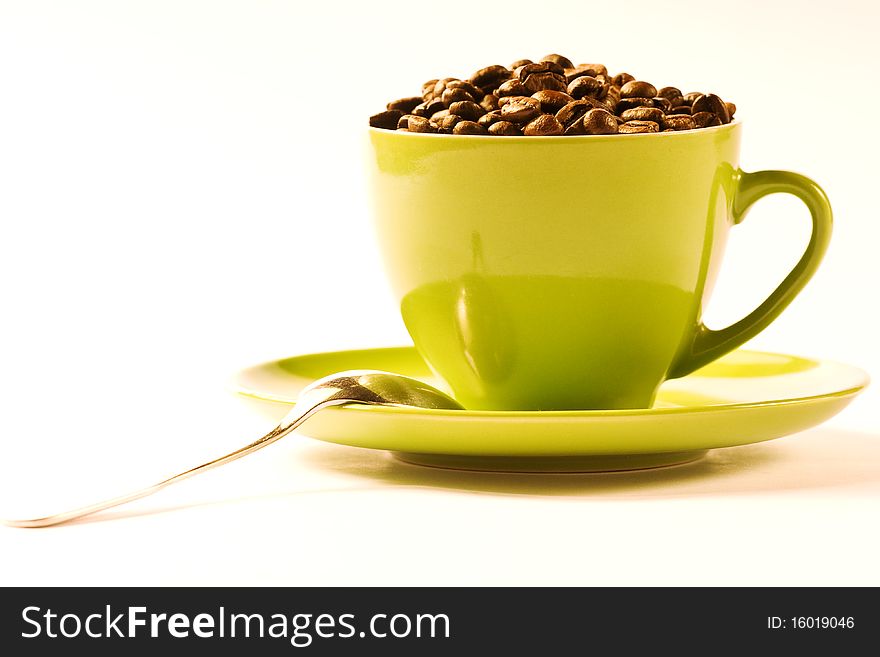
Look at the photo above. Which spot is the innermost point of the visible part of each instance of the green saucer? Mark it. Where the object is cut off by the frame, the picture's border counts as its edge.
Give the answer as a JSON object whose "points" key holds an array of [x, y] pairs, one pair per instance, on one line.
{"points": [[745, 397]]}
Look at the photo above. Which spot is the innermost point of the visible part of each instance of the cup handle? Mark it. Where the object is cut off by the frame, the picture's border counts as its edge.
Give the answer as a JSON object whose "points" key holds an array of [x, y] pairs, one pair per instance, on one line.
{"points": [[707, 344]]}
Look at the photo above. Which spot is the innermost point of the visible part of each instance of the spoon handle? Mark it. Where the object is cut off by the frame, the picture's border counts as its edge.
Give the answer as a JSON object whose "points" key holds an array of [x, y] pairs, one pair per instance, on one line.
{"points": [[303, 410]]}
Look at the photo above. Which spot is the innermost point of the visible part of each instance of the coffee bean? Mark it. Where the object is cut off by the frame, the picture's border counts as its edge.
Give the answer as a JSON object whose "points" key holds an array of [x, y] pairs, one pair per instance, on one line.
{"points": [[403, 122], [643, 114], [551, 101], [520, 62], [475, 92], [662, 103], [512, 88], [440, 86], [564, 62], [447, 123], [574, 110], [681, 109], [490, 76], [523, 72], [405, 105], [679, 122], [489, 102], [576, 128], [468, 128], [428, 89], [544, 126], [629, 103], [706, 119], [429, 107], [420, 124], [520, 109], [587, 85], [599, 122], [711, 103], [467, 109], [638, 89], [489, 118], [690, 97], [504, 129], [670, 94], [612, 97], [621, 79], [541, 81], [386, 120], [731, 109], [454, 95], [633, 127], [593, 70], [436, 116]]}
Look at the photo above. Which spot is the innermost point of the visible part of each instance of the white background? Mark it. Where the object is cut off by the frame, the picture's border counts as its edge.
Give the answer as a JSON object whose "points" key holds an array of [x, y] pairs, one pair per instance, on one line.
{"points": [[182, 194]]}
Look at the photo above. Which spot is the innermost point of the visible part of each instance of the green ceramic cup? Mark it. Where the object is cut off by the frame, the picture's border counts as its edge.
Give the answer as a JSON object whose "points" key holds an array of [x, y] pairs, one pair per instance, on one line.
{"points": [[549, 273]]}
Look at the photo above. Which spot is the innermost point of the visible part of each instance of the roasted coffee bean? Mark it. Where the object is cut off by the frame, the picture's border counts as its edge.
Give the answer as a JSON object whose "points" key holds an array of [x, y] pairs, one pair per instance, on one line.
{"points": [[520, 62], [469, 128], [731, 109], [489, 118], [706, 119], [405, 105], [428, 89], [690, 97], [599, 122], [545, 125], [429, 107], [490, 76], [420, 124], [489, 102], [621, 79], [436, 116], [612, 97], [504, 129], [520, 109], [587, 85], [403, 122], [574, 111], [662, 103], [576, 128], [681, 109], [711, 103], [629, 103], [670, 94], [386, 120], [633, 127], [592, 70], [551, 101], [440, 86], [454, 95], [564, 62], [679, 122], [467, 109], [522, 72], [544, 81], [643, 114], [447, 123], [474, 91], [638, 89], [512, 88]]}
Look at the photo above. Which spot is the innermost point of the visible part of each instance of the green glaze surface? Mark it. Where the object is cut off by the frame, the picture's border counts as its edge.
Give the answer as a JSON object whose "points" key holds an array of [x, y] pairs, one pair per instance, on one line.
{"points": [[569, 273], [743, 397]]}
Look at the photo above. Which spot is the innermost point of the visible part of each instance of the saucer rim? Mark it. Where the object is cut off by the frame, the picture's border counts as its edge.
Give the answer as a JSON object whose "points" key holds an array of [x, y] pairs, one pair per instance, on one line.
{"points": [[852, 391]]}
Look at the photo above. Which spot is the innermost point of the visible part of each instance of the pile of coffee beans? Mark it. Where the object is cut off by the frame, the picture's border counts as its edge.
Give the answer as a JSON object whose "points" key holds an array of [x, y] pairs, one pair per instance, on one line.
{"points": [[551, 97]]}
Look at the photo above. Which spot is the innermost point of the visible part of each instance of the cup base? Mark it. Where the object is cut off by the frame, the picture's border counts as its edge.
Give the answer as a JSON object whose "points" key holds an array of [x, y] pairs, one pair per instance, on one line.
{"points": [[552, 464]]}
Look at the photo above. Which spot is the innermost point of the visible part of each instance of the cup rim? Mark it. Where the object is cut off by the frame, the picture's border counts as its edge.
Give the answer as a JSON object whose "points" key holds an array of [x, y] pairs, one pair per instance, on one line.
{"points": [[679, 134]]}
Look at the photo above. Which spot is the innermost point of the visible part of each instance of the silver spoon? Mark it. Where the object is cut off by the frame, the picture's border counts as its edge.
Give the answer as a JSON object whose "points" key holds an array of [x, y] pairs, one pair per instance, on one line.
{"points": [[357, 386]]}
